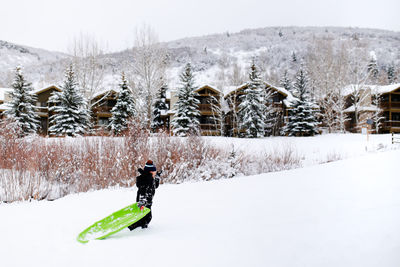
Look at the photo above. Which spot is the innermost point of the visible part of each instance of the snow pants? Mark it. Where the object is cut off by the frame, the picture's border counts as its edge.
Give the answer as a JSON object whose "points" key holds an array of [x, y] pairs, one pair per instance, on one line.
{"points": [[142, 222]]}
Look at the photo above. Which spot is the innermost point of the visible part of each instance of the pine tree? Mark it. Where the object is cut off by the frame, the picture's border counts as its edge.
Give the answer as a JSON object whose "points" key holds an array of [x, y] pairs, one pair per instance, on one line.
{"points": [[285, 82], [273, 118], [294, 57], [160, 107], [123, 110], [186, 119], [252, 106], [373, 68], [302, 120], [71, 116], [391, 76], [22, 109]]}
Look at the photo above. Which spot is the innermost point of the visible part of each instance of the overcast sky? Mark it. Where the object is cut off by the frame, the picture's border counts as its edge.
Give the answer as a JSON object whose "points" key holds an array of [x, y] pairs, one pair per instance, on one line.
{"points": [[52, 24]]}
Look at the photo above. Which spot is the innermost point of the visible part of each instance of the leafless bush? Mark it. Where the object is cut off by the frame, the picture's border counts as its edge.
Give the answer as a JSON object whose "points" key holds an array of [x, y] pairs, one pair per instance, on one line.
{"points": [[282, 157], [43, 168], [331, 157]]}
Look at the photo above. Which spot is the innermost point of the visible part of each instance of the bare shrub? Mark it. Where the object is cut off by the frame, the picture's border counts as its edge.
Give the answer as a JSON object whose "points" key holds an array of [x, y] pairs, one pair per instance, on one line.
{"points": [[42, 168], [331, 157], [282, 157]]}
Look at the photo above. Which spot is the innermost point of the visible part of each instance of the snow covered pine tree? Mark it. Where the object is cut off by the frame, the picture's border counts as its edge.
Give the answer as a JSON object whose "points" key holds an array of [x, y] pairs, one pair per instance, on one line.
{"points": [[186, 118], [160, 107], [71, 116], [252, 108], [302, 120], [123, 110], [22, 110]]}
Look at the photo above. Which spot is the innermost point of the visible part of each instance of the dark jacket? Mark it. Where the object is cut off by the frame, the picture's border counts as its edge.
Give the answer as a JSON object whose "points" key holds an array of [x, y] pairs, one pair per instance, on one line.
{"points": [[146, 188]]}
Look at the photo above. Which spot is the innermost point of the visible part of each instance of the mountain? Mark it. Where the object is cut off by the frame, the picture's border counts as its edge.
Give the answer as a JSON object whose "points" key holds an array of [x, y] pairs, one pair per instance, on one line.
{"points": [[12, 55], [216, 56]]}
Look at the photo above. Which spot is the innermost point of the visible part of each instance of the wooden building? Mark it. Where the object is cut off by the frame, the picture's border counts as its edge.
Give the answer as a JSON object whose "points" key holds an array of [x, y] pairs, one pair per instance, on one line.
{"points": [[42, 106], [209, 98], [101, 106], [389, 108], [278, 100], [5, 96], [390, 105]]}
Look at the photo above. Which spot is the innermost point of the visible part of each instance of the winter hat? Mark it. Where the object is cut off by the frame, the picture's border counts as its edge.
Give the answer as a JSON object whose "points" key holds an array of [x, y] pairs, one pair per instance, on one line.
{"points": [[150, 167]]}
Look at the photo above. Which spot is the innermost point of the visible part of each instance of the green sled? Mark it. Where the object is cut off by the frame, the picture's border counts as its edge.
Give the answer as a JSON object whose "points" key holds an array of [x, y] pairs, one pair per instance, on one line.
{"points": [[113, 223]]}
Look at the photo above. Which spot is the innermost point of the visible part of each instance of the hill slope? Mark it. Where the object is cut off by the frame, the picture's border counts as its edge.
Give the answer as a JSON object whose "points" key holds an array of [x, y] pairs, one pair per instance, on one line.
{"points": [[344, 213], [214, 56]]}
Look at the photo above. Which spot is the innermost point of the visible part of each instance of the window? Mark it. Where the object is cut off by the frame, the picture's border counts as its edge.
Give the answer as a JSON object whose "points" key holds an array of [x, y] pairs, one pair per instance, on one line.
{"points": [[395, 98], [386, 115], [103, 121], [111, 102], [385, 98], [395, 116], [206, 120]]}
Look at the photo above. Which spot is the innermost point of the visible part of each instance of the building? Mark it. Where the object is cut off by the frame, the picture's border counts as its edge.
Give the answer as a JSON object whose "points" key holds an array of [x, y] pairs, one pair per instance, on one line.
{"points": [[42, 106], [101, 105], [213, 102], [279, 100], [5, 96], [375, 99], [390, 105]]}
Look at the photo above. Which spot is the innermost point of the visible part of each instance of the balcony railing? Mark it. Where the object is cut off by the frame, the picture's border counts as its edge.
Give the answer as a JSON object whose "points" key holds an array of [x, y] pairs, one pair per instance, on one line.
{"points": [[205, 107], [390, 105], [103, 109], [390, 124], [208, 127]]}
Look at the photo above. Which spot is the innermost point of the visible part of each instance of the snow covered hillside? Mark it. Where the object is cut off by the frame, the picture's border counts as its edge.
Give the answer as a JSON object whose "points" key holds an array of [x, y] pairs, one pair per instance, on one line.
{"points": [[216, 57], [345, 213], [13, 55]]}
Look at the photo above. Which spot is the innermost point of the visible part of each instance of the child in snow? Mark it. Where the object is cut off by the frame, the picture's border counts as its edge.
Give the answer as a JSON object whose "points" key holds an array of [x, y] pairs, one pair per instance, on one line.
{"points": [[147, 182]]}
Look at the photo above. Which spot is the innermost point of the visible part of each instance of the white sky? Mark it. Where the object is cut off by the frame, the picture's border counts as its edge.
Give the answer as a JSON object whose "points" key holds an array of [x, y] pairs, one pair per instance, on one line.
{"points": [[52, 24]]}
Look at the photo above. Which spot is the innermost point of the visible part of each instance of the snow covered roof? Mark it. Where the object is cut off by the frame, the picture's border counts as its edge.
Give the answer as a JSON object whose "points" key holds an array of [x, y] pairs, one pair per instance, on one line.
{"points": [[4, 107], [371, 108], [381, 89], [227, 90], [42, 89], [3, 92], [232, 88], [209, 86], [384, 89], [103, 92]]}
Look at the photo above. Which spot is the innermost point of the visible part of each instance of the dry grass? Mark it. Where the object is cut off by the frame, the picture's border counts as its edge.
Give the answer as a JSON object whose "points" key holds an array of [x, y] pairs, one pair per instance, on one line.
{"points": [[43, 168]]}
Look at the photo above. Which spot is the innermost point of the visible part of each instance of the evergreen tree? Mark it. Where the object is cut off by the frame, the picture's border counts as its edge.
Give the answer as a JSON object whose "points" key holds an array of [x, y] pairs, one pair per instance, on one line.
{"points": [[373, 68], [285, 82], [252, 106], [294, 57], [22, 109], [160, 107], [186, 119], [273, 118], [391, 75], [123, 110], [71, 116], [302, 120]]}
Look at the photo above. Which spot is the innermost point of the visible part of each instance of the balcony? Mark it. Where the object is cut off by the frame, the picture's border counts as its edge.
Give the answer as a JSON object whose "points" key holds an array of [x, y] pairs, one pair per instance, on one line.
{"points": [[390, 105], [205, 107], [391, 126], [101, 109]]}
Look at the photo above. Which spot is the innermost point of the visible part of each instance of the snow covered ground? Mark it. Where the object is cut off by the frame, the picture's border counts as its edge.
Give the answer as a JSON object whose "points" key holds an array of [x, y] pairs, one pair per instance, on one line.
{"points": [[345, 213], [312, 150]]}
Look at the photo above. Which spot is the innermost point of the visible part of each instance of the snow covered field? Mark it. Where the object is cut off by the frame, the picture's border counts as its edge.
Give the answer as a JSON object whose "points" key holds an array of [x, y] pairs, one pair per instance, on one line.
{"points": [[344, 213], [312, 150]]}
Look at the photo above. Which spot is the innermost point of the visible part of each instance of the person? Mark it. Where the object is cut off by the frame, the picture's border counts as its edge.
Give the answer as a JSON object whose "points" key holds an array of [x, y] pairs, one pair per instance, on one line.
{"points": [[146, 182]]}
